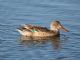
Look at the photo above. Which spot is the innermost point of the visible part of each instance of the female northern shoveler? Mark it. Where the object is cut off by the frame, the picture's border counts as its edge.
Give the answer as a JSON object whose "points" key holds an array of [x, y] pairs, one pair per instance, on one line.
{"points": [[30, 30]]}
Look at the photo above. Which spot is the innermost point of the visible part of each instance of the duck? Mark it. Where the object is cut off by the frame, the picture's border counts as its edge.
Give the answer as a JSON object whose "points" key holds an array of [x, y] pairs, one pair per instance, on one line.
{"points": [[39, 31]]}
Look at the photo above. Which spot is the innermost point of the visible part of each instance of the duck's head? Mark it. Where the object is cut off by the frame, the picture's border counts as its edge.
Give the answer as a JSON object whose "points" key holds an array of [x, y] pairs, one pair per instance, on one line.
{"points": [[56, 25]]}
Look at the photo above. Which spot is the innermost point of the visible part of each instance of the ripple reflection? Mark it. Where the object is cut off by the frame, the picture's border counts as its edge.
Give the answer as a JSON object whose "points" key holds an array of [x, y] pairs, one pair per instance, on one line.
{"points": [[54, 41]]}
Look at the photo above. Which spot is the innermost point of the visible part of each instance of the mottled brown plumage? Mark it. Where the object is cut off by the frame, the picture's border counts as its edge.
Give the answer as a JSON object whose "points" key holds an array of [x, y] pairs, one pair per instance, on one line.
{"points": [[31, 30]]}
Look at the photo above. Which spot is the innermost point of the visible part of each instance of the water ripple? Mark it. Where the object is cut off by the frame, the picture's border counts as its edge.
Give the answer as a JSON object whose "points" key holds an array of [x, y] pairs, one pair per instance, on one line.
{"points": [[13, 13]]}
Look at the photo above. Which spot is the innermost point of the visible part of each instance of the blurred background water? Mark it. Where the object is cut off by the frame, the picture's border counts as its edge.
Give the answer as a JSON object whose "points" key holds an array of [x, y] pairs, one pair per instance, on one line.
{"points": [[39, 12]]}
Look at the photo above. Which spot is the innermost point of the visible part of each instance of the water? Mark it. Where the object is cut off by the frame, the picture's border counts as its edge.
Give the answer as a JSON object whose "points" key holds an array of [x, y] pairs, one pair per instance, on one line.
{"points": [[13, 13]]}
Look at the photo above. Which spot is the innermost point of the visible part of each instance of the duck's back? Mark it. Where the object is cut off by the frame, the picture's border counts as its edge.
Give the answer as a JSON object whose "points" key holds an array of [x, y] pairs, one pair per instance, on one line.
{"points": [[34, 28]]}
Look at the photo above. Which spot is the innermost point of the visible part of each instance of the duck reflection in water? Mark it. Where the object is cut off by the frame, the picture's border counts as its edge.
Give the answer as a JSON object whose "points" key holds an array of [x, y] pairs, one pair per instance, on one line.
{"points": [[55, 41]]}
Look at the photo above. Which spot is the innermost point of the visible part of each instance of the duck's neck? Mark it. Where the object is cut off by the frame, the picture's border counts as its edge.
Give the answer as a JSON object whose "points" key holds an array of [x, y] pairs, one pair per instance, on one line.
{"points": [[53, 28], [56, 31]]}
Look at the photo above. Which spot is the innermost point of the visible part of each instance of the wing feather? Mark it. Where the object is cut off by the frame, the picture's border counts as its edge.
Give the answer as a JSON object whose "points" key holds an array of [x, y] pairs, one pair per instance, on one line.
{"points": [[37, 28]]}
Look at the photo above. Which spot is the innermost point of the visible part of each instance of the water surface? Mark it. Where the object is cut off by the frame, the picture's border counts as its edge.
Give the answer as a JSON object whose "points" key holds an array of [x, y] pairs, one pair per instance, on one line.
{"points": [[13, 13]]}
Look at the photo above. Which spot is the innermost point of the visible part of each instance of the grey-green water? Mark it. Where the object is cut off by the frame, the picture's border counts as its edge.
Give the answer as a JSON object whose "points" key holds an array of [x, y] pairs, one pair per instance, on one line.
{"points": [[39, 12]]}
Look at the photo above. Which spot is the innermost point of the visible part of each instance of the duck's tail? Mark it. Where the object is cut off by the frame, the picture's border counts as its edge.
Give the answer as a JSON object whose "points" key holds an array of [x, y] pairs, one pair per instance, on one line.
{"points": [[20, 31], [24, 32]]}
